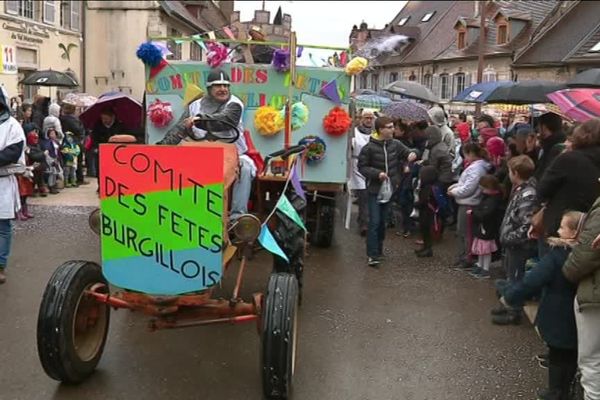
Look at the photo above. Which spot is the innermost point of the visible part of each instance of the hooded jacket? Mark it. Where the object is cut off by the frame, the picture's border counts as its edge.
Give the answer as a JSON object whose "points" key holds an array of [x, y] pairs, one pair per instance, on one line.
{"points": [[570, 183], [487, 133], [53, 121], [487, 216], [439, 156], [438, 117], [382, 156], [467, 191]]}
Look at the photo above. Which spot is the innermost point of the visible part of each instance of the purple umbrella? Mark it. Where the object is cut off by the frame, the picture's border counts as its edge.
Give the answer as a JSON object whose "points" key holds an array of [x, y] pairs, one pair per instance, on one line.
{"points": [[127, 110], [406, 110]]}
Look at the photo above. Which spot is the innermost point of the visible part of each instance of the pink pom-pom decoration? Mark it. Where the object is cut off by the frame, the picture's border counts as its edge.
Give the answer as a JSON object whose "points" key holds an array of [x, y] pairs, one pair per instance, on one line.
{"points": [[217, 54], [160, 113]]}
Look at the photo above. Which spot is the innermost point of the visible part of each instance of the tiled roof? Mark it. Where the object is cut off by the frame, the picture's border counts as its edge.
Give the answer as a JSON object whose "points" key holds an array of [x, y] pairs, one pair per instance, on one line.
{"points": [[582, 51], [562, 35]]}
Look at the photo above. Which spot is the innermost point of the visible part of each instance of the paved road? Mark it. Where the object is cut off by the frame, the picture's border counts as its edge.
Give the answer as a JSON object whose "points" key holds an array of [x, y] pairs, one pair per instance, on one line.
{"points": [[410, 331]]}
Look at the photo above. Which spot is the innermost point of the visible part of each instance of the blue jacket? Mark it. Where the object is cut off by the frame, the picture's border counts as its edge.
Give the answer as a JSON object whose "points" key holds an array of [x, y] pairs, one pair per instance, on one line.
{"points": [[555, 318]]}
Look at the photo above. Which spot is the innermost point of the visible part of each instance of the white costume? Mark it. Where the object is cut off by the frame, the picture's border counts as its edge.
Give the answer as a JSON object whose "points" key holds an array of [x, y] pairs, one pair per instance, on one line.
{"points": [[11, 132], [359, 140]]}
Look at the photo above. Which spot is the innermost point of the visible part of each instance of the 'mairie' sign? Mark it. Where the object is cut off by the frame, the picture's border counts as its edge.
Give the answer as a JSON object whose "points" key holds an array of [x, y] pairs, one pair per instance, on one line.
{"points": [[162, 223]]}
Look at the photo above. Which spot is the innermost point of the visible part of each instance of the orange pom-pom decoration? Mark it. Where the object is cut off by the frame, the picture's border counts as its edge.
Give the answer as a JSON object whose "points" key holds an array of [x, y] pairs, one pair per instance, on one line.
{"points": [[337, 122]]}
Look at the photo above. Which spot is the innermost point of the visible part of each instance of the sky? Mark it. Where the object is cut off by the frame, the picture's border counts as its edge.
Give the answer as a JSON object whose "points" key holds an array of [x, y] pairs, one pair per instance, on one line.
{"points": [[325, 22]]}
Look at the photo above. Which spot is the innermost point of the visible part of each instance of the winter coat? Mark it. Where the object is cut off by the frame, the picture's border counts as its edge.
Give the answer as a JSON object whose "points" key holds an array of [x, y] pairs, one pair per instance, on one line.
{"points": [[52, 121], [438, 117], [583, 265], [464, 131], [551, 148], [71, 123], [382, 156], [487, 217], [53, 152], [467, 191], [517, 218], [70, 152], [439, 156], [555, 318], [427, 177], [569, 183], [487, 133], [101, 133]]}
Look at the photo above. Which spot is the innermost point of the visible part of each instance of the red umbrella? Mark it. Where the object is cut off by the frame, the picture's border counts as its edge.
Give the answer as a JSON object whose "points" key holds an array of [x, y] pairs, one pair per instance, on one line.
{"points": [[579, 104], [127, 110]]}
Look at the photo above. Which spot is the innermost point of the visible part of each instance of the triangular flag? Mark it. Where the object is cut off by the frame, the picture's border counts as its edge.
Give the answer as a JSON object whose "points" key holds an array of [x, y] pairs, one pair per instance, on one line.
{"points": [[191, 93], [288, 209], [343, 58], [267, 241], [295, 179], [156, 70], [331, 92], [211, 35], [229, 33], [178, 41], [200, 42]]}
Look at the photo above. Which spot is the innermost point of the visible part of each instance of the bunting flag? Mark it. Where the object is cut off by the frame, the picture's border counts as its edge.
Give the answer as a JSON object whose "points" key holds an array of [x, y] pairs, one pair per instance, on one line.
{"points": [[200, 42], [156, 70], [191, 93], [267, 241], [330, 91], [312, 60], [288, 209], [299, 51], [343, 58], [229, 33], [211, 35], [295, 179]]}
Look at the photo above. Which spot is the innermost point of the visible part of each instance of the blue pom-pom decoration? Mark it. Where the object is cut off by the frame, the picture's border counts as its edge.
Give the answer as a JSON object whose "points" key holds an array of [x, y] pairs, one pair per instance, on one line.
{"points": [[150, 54]]}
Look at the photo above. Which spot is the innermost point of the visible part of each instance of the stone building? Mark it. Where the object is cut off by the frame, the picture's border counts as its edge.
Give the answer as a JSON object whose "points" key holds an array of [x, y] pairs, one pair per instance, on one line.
{"points": [[262, 19], [38, 35]]}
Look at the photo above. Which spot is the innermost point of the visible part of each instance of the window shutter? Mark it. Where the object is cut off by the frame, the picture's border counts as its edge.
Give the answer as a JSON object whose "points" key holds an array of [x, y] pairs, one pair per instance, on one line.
{"points": [[76, 15], [435, 87], [49, 12], [451, 86], [11, 6], [467, 80]]}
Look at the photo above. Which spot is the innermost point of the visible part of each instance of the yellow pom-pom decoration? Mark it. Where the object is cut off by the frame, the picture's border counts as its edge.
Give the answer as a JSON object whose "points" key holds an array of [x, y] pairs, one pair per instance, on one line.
{"points": [[268, 121], [356, 65]]}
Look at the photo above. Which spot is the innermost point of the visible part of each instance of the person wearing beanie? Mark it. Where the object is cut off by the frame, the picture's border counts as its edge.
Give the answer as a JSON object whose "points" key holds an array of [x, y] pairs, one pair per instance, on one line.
{"points": [[438, 118], [497, 150], [53, 121]]}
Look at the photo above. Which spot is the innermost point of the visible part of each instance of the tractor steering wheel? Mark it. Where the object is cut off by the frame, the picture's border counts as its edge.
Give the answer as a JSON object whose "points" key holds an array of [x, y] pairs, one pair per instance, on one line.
{"points": [[215, 137]]}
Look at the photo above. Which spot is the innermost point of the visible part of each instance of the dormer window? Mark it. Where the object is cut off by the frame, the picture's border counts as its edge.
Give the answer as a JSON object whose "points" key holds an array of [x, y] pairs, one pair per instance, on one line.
{"points": [[403, 21], [427, 16], [462, 39], [595, 48], [502, 35]]}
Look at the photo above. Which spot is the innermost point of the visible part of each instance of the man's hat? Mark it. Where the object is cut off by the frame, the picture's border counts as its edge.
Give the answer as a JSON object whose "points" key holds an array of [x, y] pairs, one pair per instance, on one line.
{"points": [[217, 77]]}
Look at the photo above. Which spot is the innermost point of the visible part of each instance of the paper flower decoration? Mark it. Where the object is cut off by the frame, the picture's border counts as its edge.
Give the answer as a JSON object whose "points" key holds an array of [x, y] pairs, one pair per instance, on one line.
{"points": [[217, 54], [150, 54], [268, 121], [337, 121], [281, 60], [160, 113], [316, 148], [299, 115], [356, 65]]}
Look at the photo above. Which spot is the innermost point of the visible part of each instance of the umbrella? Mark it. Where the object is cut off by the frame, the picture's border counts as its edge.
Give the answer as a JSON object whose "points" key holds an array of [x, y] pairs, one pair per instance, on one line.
{"points": [[82, 100], [127, 110], [371, 101], [50, 78], [406, 110], [579, 104], [479, 92], [413, 90], [586, 79], [524, 92]]}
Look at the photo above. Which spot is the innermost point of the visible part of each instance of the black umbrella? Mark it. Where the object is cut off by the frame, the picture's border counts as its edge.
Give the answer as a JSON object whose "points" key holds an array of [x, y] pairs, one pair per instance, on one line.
{"points": [[413, 90], [524, 92], [50, 78], [586, 79]]}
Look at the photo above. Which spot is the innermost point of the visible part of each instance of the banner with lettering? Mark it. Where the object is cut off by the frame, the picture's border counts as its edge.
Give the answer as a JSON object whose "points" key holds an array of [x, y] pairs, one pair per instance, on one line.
{"points": [[258, 85], [162, 217], [9, 60]]}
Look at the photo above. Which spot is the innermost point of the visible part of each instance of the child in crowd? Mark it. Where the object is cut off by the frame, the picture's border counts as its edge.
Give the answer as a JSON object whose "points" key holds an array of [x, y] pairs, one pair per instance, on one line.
{"points": [[70, 151], [486, 217], [426, 205], [518, 248], [555, 318], [35, 157], [467, 194], [51, 148]]}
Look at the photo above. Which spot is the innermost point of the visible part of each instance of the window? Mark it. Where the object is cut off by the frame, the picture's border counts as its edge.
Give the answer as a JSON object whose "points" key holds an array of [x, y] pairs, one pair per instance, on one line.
{"points": [[462, 40], [173, 47], [375, 81], [459, 83], [427, 16], [595, 48], [427, 81], [403, 21], [70, 15], [412, 77], [363, 81], [195, 52], [393, 77], [22, 8], [49, 12], [444, 86], [489, 75], [502, 35]]}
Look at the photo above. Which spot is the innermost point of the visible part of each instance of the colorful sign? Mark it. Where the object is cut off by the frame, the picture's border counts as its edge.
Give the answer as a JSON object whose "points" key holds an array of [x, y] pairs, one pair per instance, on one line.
{"points": [[258, 85], [9, 60], [162, 217]]}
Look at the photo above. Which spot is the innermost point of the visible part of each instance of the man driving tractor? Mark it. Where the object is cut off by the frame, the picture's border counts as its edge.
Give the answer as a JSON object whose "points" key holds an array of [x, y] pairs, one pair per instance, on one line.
{"points": [[218, 111]]}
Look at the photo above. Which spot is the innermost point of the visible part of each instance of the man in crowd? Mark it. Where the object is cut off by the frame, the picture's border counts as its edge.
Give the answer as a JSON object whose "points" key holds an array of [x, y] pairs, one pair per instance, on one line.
{"points": [[551, 139], [224, 110], [70, 123], [12, 142]]}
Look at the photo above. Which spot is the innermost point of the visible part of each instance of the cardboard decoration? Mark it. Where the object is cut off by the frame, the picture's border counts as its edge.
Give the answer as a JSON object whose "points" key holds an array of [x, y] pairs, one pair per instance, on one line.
{"points": [[162, 223]]}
